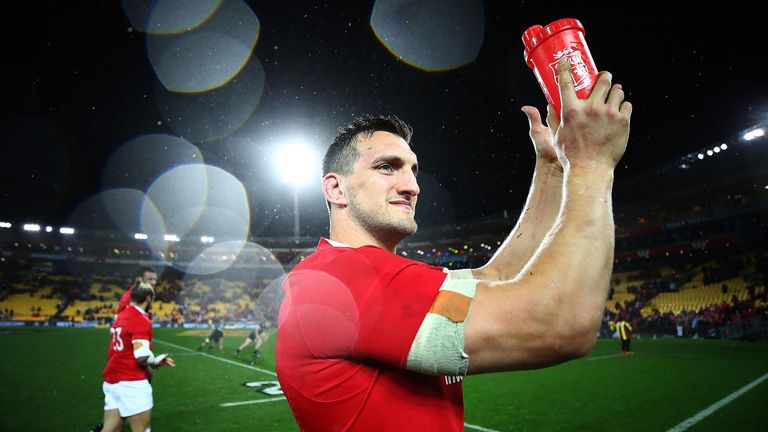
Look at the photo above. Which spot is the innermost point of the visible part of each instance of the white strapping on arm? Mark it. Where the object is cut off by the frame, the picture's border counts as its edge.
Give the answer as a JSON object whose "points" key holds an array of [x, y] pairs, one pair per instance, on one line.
{"points": [[438, 348], [144, 355], [459, 274]]}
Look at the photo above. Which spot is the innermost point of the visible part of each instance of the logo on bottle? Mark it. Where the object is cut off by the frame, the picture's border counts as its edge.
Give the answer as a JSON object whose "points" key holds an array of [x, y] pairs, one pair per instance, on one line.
{"points": [[579, 70]]}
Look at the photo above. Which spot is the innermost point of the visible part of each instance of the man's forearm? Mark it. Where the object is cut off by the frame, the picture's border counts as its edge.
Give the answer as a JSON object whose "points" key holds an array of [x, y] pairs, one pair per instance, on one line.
{"points": [[541, 208], [550, 312], [577, 255]]}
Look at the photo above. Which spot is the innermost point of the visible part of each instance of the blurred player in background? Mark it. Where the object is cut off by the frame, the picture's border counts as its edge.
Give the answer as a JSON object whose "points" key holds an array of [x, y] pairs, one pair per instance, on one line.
{"points": [[143, 274], [127, 376], [258, 335], [215, 338], [625, 334]]}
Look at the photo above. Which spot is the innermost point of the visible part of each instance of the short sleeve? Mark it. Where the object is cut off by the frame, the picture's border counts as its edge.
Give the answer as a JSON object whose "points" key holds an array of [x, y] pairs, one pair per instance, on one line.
{"points": [[391, 316], [364, 306], [141, 329]]}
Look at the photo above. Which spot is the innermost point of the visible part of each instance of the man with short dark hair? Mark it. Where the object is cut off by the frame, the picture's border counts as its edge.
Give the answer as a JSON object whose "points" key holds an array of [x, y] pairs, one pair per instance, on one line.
{"points": [[143, 274], [369, 340], [128, 373]]}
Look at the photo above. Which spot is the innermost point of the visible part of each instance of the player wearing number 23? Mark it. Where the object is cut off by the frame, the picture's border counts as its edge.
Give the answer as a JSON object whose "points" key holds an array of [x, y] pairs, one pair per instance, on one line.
{"points": [[127, 376]]}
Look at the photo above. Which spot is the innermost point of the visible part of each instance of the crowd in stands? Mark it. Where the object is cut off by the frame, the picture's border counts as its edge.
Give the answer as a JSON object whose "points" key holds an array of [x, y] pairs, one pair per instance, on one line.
{"points": [[7, 314], [41, 295], [36, 291], [740, 312]]}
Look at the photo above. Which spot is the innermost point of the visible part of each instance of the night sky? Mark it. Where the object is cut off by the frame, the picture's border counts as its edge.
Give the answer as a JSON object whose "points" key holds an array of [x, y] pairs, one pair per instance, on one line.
{"points": [[79, 82]]}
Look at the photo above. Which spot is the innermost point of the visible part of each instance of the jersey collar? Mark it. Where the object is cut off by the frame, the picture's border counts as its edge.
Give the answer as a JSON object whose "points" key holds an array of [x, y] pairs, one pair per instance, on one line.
{"points": [[334, 243]]}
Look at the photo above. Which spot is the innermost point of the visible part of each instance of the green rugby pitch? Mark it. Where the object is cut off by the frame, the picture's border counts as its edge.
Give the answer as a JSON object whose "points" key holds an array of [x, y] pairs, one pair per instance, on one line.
{"points": [[51, 380]]}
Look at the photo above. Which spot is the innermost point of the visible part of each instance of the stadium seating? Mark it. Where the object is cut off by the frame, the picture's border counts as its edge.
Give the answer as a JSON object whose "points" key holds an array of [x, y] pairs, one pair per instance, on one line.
{"points": [[30, 307]]}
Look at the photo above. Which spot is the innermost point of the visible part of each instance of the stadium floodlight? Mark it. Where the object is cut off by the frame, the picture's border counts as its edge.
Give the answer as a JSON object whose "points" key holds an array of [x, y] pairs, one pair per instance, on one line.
{"points": [[31, 227], [140, 236], [66, 230], [754, 133], [206, 239], [171, 237], [297, 164], [716, 149], [5, 225], [723, 146], [48, 228], [710, 152], [701, 156]]}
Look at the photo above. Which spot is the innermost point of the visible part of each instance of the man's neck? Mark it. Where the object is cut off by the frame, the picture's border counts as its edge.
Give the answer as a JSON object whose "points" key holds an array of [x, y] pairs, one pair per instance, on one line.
{"points": [[140, 306], [356, 237]]}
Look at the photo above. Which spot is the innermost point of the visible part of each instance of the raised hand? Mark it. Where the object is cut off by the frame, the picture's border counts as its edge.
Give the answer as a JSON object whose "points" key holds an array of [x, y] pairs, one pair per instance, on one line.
{"points": [[592, 132], [542, 135]]}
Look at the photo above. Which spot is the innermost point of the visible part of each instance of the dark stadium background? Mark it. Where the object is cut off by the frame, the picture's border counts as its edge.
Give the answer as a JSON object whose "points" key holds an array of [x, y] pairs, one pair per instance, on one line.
{"points": [[77, 84], [88, 123]]}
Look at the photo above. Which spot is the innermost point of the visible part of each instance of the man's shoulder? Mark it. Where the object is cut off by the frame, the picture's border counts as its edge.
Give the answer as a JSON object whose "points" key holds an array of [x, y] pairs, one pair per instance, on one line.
{"points": [[132, 316], [126, 313], [371, 263], [327, 255], [389, 263]]}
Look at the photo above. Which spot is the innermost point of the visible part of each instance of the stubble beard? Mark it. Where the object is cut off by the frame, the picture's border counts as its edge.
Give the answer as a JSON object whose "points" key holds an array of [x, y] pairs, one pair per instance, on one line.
{"points": [[379, 224]]}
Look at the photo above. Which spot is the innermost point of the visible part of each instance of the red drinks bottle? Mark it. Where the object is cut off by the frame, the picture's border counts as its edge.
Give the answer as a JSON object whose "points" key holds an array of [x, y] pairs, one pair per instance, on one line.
{"points": [[545, 46]]}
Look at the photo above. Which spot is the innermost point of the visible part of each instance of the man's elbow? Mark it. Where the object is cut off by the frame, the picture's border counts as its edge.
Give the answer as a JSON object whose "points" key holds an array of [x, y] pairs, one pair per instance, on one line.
{"points": [[578, 342], [583, 345], [577, 325]]}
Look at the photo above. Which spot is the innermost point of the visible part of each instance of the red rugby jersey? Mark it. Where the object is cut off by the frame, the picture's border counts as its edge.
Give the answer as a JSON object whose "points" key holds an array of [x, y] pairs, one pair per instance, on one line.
{"points": [[345, 328], [131, 324]]}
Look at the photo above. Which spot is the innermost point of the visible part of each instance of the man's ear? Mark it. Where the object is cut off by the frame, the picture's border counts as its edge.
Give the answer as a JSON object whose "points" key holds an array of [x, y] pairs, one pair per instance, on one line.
{"points": [[333, 189]]}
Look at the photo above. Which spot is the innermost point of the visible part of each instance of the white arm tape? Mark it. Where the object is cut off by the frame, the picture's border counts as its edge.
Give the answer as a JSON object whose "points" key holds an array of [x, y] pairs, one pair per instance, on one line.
{"points": [[459, 274], [145, 355], [438, 348], [461, 282]]}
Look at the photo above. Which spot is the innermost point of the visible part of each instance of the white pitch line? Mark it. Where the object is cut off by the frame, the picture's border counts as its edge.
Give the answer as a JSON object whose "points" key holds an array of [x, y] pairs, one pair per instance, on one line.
{"points": [[717, 405], [229, 404], [480, 428], [217, 358], [604, 357]]}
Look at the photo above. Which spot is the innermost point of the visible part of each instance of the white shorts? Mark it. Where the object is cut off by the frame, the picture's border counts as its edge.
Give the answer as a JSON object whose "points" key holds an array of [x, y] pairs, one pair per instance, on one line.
{"points": [[128, 397]]}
